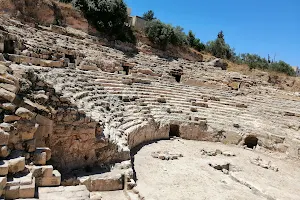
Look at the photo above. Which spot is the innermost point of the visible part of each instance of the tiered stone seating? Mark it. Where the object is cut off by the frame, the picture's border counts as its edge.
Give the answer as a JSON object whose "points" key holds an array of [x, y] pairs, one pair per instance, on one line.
{"points": [[97, 113]]}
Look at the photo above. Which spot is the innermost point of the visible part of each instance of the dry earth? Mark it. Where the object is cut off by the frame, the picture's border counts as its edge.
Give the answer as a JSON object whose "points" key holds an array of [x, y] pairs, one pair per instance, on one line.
{"points": [[191, 177]]}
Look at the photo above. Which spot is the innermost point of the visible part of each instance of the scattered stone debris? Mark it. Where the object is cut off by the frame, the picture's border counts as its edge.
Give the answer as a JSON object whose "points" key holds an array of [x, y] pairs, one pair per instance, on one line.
{"points": [[224, 167], [264, 164], [166, 155], [216, 152]]}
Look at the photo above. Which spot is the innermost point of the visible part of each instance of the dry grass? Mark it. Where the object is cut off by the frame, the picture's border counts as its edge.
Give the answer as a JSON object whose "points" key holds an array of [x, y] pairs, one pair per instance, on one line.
{"points": [[73, 18], [171, 51]]}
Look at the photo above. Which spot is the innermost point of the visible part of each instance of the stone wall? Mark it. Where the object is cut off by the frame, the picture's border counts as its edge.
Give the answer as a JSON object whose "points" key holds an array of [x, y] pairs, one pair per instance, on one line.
{"points": [[75, 139], [138, 22]]}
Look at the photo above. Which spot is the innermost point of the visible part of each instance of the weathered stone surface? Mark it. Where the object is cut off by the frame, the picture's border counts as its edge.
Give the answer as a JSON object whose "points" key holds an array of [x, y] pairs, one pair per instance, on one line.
{"points": [[54, 180], [87, 66], [39, 158], [106, 183], [16, 165], [3, 181], [64, 193], [8, 106], [6, 126], [26, 129], [9, 87], [10, 118], [46, 150], [24, 113], [4, 151], [12, 192], [27, 190], [3, 168], [42, 171], [4, 137], [7, 95]]}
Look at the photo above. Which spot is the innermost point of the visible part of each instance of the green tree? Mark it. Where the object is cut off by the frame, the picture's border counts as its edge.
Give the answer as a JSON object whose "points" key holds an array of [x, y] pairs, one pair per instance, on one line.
{"points": [[163, 34], [109, 17], [159, 33], [195, 42], [179, 38], [283, 67], [191, 38], [149, 15]]}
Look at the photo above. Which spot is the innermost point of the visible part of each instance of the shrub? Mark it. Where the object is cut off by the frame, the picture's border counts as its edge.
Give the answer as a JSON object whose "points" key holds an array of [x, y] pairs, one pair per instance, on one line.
{"points": [[159, 33], [163, 34], [283, 67], [149, 15], [108, 17], [179, 38], [195, 42], [254, 61]]}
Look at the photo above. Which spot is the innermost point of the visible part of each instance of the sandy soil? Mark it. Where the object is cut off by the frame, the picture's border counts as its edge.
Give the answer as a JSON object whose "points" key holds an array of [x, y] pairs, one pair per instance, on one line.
{"points": [[191, 178]]}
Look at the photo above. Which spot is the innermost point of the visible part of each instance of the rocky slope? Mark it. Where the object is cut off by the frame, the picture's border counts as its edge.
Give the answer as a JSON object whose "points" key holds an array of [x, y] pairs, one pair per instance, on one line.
{"points": [[93, 106]]}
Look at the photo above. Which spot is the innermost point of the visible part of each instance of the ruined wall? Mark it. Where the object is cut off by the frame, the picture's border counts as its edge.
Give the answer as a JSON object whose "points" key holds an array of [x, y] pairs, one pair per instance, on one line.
{"points": [[147, 132], [74, 138]]}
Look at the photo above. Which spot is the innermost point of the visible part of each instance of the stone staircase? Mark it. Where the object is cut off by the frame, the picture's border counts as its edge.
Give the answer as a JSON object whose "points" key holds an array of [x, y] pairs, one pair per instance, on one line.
{"points": [[93, 92]]}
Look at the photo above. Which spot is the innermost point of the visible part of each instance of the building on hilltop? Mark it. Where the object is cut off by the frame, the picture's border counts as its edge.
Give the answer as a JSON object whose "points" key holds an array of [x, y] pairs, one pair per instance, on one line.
{"points": [[136, 22], [297, 70]]}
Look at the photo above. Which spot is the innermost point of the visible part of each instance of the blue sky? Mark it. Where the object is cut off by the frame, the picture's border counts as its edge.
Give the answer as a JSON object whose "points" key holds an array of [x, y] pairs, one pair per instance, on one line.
{"points": [[254, 26]]}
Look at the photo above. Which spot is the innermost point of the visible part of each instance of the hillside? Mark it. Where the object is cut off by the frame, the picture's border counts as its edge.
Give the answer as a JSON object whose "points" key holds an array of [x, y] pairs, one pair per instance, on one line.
{"points": [[83, 117]]}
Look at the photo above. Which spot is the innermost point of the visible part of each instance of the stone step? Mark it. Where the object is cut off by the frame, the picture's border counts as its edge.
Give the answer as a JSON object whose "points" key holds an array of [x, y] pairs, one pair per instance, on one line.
{"points": [[111, 195], [79, 192]]}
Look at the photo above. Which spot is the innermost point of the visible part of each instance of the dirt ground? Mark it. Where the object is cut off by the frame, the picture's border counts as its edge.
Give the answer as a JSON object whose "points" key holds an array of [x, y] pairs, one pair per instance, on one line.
{"points": [[192, 178]]}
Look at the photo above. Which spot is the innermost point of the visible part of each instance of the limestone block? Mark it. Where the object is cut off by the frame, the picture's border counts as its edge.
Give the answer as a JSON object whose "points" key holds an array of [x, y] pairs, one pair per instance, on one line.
{"points": [[5, 79], [42, 171], [47, 171], [6, 126], [10, 118], [8, 106], [4, 137], [54, 180], [39, 158], [45, 149], [16, 165], [4, 151], [9, 87], [7, 95], [26, 129], [3, 168], [24, 113], [3, 181], [27, 190], [107, 183], [12, 192], [232, 138]]}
